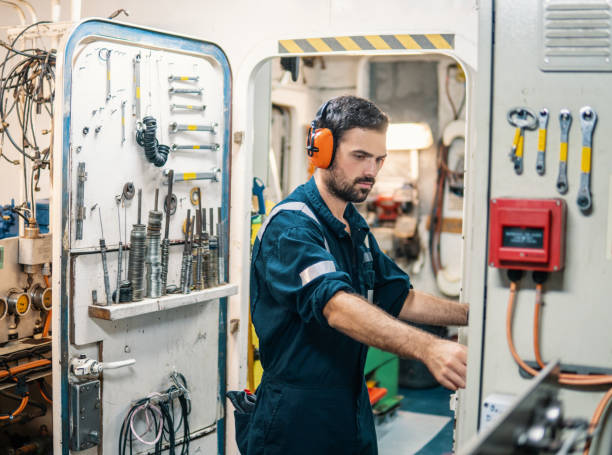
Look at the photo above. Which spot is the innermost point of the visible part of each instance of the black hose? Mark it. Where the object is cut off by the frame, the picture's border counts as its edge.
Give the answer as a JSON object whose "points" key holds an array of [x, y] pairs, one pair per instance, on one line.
{"points": [[155, 152]]}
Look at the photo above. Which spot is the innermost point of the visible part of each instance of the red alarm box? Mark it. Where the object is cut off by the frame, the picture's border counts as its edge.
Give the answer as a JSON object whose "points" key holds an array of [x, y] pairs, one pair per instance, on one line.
{"points": [[527, 234]]}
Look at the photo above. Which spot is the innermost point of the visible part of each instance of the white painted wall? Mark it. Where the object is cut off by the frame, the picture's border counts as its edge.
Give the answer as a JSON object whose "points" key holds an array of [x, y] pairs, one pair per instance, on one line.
{"points": [[248, 32]]}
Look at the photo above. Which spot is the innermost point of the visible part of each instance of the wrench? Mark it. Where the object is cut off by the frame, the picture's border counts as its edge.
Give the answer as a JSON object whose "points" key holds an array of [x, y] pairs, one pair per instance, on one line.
{"points": [[189, 107], [108, 74], [515, 142], [518, 159], [176, 127], [123, 121], [213, 175], [172, 78], [137, 86], [543, 123], [521, 118], [185, 91], [565, 121], [213, 147], [588, 119]]}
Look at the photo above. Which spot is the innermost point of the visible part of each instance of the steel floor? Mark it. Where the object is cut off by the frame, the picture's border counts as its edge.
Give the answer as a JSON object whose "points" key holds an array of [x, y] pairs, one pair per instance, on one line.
{"points": [[433, 404]]}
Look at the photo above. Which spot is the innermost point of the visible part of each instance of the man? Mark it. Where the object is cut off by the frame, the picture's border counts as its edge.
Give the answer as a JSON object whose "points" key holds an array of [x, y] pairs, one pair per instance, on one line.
{"points": [[322, 291]]}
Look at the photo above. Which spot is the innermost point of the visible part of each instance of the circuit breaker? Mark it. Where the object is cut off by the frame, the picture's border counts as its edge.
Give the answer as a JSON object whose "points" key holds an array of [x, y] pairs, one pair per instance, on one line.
{"points": [[143, 141]]}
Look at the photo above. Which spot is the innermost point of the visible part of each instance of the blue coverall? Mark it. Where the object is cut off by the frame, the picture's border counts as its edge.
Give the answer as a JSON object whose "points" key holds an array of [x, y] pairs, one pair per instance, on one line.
{"points": [[313, 397]]}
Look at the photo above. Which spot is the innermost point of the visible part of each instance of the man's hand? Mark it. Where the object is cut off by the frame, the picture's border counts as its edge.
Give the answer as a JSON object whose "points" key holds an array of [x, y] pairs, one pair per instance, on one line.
{"points": [[364, 322], [447, 361]]}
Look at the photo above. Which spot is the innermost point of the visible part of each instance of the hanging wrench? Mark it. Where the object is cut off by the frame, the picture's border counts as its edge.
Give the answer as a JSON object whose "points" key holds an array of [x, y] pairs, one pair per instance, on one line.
{"points": [[515, 143], [518, 159], [521, 118], [543, 123], [177, 127], [588, 119], [565, 120]]}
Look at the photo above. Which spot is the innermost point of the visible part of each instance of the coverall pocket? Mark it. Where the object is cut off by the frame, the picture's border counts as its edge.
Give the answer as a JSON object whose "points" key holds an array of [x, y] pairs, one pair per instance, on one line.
{"points": [[243, 423], [314, 421], [275, 396]]}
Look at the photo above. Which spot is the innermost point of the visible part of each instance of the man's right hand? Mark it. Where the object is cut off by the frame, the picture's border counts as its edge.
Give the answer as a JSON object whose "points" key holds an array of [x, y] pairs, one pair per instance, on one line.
{"points": [[447, 361]]}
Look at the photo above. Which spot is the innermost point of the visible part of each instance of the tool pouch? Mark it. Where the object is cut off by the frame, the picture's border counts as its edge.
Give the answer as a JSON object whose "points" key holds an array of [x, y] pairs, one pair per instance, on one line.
{"points": [[244, 405]]}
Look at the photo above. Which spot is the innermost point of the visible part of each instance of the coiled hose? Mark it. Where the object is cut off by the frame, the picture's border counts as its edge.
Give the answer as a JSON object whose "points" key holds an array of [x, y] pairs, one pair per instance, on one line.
{"points": [[155, 152]]}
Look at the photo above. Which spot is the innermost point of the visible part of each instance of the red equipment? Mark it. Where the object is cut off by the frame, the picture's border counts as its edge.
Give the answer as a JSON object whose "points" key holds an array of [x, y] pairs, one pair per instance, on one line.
{"points": [[387, 207], [527, 234]]}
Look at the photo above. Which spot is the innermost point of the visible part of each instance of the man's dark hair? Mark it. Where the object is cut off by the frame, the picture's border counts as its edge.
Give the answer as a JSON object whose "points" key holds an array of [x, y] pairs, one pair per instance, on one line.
{"points": [[346, 112]]}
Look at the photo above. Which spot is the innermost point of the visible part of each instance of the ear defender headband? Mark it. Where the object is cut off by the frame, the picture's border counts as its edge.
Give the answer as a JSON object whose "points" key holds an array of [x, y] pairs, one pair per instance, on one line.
{"points": [[320, 141]]}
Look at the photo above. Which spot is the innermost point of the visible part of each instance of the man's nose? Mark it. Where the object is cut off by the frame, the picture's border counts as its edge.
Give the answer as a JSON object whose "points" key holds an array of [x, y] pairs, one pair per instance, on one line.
{"points": [[372, 168]]}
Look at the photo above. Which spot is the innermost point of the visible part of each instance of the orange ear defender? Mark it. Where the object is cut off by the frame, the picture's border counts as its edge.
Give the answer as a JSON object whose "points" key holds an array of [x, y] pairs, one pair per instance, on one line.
{"points": [[320, 142]]}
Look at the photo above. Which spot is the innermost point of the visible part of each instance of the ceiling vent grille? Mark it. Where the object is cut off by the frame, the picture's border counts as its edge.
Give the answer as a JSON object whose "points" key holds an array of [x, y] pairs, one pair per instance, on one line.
{"points": [[575, 35]]}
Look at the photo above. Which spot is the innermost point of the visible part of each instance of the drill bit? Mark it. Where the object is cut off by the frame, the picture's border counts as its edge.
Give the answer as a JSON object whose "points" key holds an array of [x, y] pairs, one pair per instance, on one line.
{"points": [[197, 277], [213, 264], [119, 253], [104, 263], [220, 247], [185, 254], [165, 245], [153, 254], [205, 251], [137, 255]]}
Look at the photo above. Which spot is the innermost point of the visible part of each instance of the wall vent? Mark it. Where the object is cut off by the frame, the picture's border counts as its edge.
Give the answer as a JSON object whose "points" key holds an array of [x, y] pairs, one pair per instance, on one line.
{"points": [[575, 35]]}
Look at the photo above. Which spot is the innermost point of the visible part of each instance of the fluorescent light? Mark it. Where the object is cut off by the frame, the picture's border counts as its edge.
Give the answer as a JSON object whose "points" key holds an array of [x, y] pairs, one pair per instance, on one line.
{"points": [[409, 136]]}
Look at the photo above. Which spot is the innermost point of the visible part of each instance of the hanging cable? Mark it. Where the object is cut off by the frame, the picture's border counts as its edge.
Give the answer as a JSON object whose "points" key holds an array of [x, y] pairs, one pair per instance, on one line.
{"points": [[159, 415], [594, 423], [155, 152], [25, 89], [43, 393], [564, 378]]}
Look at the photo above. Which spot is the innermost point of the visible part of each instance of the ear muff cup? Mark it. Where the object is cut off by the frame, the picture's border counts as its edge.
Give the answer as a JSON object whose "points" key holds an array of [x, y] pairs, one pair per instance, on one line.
{"points": [[321, 150], [320, 143]]}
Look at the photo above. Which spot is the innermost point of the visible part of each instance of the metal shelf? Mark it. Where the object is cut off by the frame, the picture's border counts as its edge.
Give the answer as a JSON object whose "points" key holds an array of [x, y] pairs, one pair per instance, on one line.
{"points": [[119, 311]]}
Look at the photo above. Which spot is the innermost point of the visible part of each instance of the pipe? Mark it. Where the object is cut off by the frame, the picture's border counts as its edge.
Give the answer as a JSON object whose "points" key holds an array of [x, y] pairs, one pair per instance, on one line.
{"points": [[30, 9], [20, 12], [118, 364], [75, 10], [56, 10]]}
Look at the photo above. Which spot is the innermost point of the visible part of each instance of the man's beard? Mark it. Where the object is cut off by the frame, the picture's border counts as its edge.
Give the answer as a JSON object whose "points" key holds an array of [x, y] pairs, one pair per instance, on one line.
{"points": [[339, 186]]}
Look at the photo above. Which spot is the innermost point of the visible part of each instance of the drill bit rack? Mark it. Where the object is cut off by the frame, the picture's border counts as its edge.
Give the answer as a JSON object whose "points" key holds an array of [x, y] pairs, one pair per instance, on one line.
{"points": [[120, 311]]}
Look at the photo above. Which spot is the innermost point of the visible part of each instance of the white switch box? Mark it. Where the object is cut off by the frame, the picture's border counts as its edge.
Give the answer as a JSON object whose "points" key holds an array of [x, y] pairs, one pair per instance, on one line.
{"points": [[492, 407]]}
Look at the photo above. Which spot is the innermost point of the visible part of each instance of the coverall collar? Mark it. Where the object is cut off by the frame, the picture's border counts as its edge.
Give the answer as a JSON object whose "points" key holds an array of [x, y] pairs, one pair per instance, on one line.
{"points": [[355, 220]]}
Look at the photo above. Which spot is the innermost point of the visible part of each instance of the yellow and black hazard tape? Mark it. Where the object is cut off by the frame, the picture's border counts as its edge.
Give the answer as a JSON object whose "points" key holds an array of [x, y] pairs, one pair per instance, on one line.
{"points": [[366, 43]]}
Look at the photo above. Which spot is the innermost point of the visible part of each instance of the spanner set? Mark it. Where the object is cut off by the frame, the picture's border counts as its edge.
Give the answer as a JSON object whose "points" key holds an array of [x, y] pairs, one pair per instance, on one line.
{"points": [[523, 118]]}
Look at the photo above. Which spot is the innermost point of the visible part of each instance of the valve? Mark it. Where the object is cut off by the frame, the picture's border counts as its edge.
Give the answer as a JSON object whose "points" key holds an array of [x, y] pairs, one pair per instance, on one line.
{"points": [[84, 366]]}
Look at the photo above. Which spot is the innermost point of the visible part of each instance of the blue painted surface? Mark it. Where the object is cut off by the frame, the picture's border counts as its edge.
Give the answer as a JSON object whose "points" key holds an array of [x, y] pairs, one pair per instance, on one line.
{"points": [[42, 215], [9, 222], [431, 401], [145, 38]]}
